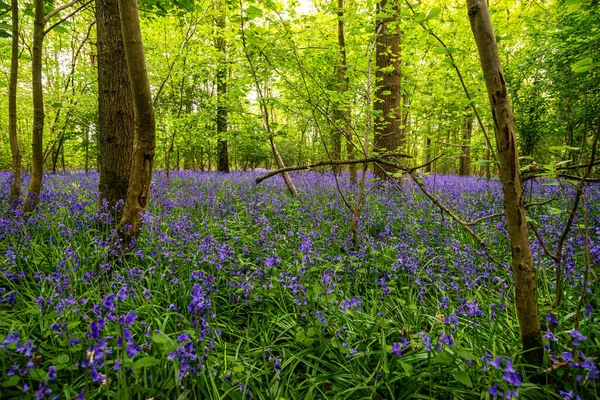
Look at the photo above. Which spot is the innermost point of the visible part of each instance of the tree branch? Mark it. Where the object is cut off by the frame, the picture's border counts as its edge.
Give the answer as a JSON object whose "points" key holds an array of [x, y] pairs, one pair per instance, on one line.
{"points": [[68, 16], [59, 9], [378, 159]]}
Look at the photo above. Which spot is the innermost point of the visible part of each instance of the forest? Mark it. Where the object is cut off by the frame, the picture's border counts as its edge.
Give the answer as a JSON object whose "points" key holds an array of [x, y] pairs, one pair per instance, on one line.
{"points": [[282, 199]]}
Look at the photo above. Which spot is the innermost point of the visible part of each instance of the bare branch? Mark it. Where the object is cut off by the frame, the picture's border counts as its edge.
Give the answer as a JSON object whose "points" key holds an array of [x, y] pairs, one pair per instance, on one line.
{"points": [[335, 162], [67, 17], [59, 9]]}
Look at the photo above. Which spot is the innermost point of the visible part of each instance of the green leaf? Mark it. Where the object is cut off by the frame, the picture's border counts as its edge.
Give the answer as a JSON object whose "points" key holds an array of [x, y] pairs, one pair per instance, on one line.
{"points": [[573, 7], [463, 377], [434, 13], [583, 65], [555, 211], [39, 374], [160, 338], [443, 358], [253, 12], [11, 381], [420, 17], [407, 368], [485, 162], [239, 368], [465, 355], [62, 359], [145, 362]]}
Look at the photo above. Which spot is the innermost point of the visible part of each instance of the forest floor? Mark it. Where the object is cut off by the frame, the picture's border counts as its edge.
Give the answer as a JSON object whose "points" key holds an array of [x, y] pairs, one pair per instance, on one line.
{"points": [[235, 290]]}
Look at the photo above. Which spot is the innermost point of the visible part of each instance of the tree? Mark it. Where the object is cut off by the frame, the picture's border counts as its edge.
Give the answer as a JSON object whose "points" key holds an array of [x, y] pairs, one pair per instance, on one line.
{"points": [[342, 111], [37, 158], [510, 175], [140, 176], [388, 132], [116, 123], [222, 70], [15, 185], [37, 161]]}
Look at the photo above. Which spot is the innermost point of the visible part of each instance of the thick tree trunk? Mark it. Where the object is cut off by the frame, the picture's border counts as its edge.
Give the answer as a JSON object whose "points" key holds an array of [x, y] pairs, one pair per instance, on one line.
{"points": [[510, 175], [465, 157], [145, 129], [222, 152], [116, 123], [388, 133], [37, 156], [15, 184]]}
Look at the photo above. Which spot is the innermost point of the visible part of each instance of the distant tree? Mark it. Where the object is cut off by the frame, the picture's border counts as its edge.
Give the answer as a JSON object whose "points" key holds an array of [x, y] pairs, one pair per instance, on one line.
{"points": [[140, 176], [115, 107], [222, 70], [15, 185], [39, 32]]}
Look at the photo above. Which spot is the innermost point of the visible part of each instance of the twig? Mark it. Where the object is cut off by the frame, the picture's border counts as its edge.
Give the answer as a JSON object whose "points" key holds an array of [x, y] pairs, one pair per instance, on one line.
{"points": [[563, 236], [445, 209], [586, 243]]}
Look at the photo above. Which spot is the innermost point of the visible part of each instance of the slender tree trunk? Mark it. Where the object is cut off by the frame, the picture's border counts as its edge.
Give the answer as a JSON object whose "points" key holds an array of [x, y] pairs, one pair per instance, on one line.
{"points": [[465, 157], [222, 152], [62, 157], [87, 146], [145, 129], [116, 123], [265, 117], [37, 156], [388, 133], [343, 115], [15, 184], [510, 175]]}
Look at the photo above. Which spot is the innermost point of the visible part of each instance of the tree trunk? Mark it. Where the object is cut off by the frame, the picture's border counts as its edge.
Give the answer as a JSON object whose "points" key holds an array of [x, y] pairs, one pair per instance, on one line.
{"points": [[15, 184], [145, 130], [388, 133], [116, 123], [465, 157], [343, 115], [87, 146], [510, 175], [222, 153], [37, 156]]}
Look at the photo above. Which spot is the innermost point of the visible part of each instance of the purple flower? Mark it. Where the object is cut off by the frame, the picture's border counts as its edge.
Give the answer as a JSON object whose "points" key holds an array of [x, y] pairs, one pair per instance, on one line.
{"points": [[52, 373], [577, 337]]}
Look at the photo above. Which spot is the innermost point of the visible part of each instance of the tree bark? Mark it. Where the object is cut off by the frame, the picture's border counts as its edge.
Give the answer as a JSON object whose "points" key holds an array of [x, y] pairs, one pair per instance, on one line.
{"points": [[15, 184], [222, 152], [37, 156], [465, 157], [510, 175], [343, 115], [145, 130], [388, 131], [116, 123], [87, 146]]}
